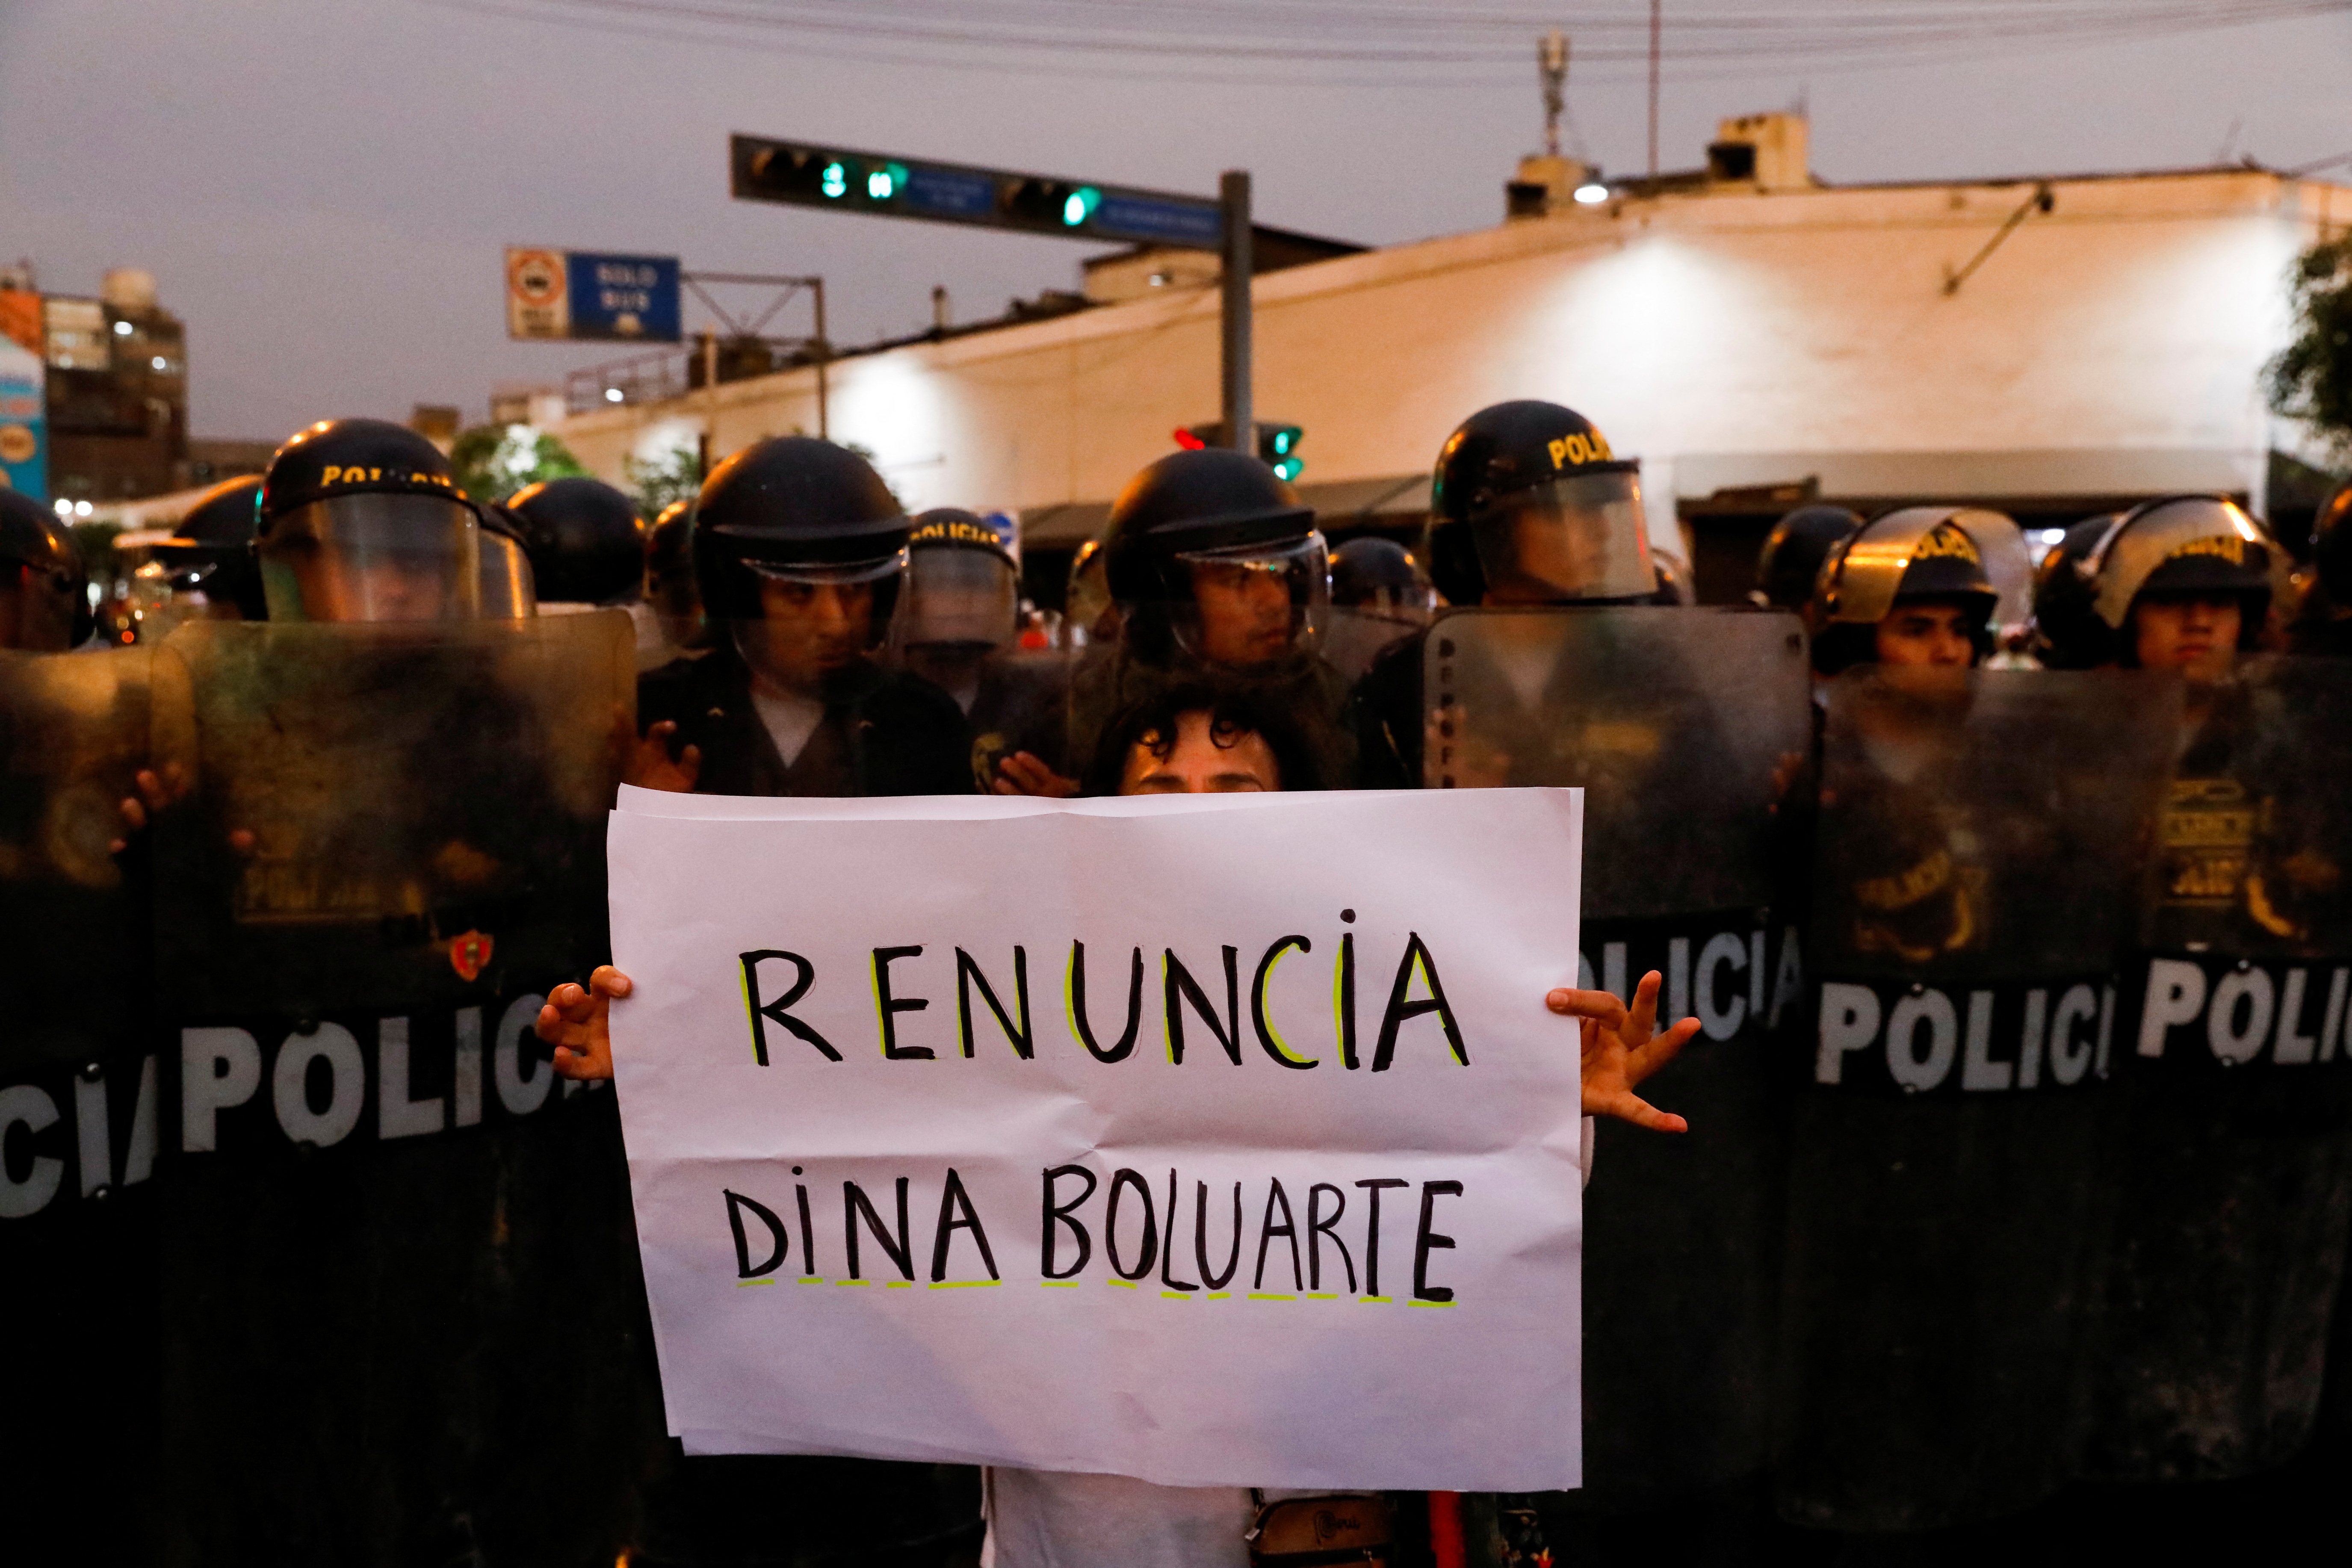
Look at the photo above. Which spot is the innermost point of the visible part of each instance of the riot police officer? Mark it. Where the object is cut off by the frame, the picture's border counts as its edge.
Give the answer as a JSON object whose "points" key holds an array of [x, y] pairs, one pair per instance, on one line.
{"points": [[2323, 623], [208, 563], [800, 552], [1215, 566], [362, 520], [2181, 583], [1528, 507], [585, 542], [673, 600], [1380, 596], [2057, 566], [1790, 560], [1907, 588], [44, 586], [957, 630], [419, 780]]}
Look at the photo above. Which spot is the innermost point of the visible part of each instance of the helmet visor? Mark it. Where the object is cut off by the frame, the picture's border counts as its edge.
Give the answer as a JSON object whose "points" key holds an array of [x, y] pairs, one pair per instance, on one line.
{"points": [[958, 597], [1254, 604], [508, 594], [2209, 543], [822, 573], [374, 557], [1580, 536]]}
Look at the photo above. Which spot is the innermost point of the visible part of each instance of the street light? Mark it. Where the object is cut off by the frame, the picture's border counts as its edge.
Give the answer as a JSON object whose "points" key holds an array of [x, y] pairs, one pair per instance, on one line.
{"points": [[613, 394], [1591, 193]]}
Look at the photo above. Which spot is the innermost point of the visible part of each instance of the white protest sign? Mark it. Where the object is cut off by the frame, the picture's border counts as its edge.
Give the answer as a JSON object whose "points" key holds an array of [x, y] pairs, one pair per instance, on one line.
{"points": [[1211, 1144]]}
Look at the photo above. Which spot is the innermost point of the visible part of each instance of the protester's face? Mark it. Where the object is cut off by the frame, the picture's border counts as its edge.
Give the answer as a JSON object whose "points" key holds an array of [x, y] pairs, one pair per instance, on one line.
{"points": [[2197, 636], [1197, 764], [1246, 612], [1925, 634], [813, 628]]}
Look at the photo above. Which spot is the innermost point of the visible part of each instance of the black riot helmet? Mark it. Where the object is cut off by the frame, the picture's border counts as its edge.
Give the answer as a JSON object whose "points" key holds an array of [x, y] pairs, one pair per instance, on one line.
{"points": [[1920, 553], [1209, 552], [362, 520], [1375, 574], [1529, 505], [2331, 546], [2190, 546], [585, 541], [1088, 608], [44, 586], [802, 512], [963, 583], [211, 547], [1790, 560], [2061, 595]]}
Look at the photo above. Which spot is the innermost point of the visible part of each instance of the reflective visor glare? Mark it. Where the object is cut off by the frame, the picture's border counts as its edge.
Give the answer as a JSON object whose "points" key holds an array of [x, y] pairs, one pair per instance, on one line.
{"points": [[1255, 602], [374, 558], [1577, 538], [956, 595]]}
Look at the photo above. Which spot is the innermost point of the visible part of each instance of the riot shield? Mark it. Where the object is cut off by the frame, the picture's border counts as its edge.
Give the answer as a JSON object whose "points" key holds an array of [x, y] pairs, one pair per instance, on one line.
{"points": [[1686, 728], [79, 1114], [1979, 841], [396, 1261], [2235, 1149]]}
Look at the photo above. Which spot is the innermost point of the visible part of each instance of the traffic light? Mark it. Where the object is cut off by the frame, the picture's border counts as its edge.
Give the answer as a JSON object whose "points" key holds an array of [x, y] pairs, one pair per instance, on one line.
{"points": [[888, 187], [1277, 444], [1277, 449]]}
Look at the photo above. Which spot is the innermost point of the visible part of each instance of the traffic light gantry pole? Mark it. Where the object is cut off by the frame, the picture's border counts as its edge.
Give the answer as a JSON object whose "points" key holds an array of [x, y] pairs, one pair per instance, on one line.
{"points": [[886, 185]]}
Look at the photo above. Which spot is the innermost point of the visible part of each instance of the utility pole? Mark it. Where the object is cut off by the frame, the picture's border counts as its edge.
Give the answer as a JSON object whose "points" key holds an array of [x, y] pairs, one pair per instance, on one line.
{"points": [[1233, 204], [1551, 63], [1654, 96]]}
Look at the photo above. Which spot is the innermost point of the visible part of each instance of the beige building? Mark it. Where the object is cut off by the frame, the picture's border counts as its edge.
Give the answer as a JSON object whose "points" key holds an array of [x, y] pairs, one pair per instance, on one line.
{"points": [[2050, 347]]}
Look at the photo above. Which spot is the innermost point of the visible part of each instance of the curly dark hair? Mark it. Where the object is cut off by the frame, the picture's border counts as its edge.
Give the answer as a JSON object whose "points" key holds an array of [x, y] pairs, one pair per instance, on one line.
{"points": [[1235, 709]]}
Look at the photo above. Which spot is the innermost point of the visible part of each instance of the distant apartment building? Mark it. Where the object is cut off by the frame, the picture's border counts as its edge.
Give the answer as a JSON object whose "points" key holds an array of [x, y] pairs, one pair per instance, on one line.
{"points": [[117, 373]]}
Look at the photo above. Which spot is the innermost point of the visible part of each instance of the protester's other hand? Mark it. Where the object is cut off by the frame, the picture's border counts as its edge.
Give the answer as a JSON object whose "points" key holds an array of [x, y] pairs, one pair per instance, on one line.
{"points": [[1621, 1049], [653, 767], [1022, 772], [579, 1024]]}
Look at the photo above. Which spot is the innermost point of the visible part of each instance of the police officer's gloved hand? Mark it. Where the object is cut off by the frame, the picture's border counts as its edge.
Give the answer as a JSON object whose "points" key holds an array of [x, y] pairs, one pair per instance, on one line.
{"points": [[1621, 1050]]}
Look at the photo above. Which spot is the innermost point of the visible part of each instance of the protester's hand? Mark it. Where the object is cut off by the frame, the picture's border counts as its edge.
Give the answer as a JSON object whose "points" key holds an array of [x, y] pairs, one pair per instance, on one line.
{"points": [[1621, 1050], [579, 1024], [652, 766], [1024, 773]]}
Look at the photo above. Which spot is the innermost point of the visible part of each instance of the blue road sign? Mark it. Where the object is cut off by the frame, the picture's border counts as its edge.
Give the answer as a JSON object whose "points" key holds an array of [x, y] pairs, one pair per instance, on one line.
{"points": [[631, 299]]}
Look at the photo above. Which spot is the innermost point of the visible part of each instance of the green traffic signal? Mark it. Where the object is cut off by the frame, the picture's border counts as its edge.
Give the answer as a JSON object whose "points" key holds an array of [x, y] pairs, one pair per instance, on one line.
{"points": [[1080, 205], [1277, 449], [835, 181]]}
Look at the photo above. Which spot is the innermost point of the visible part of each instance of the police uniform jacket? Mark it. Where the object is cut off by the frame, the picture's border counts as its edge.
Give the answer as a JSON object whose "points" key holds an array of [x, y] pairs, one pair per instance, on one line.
{"points": [[884, 732]]}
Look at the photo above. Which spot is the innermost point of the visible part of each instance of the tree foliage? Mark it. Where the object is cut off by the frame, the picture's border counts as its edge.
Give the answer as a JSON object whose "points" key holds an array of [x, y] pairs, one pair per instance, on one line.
{"points": [[674, 474], [2311, 379], [493, 461]]}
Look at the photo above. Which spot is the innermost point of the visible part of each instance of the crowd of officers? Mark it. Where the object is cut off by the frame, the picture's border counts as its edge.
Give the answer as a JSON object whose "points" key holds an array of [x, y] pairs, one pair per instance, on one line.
{"points": [[799, 633], [807, 636]]}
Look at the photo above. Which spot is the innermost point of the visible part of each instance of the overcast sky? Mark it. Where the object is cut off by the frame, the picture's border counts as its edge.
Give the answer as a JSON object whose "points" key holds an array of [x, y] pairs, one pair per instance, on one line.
{"points": [[323, 188]]}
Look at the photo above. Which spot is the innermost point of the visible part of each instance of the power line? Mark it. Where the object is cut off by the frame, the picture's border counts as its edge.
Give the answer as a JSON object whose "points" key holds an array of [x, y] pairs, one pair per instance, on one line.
{"points": [[1295, 38]]}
